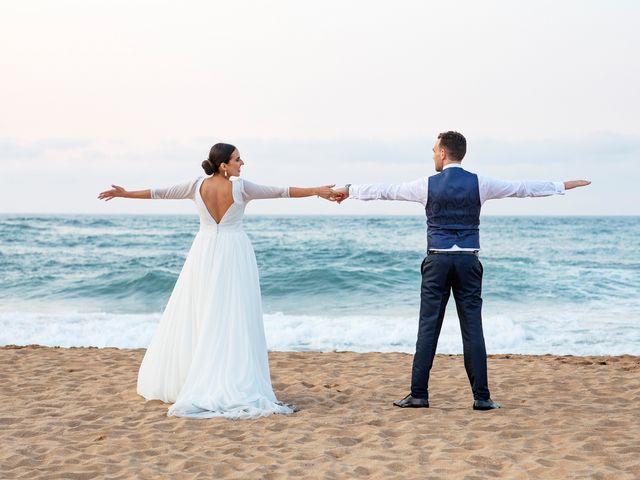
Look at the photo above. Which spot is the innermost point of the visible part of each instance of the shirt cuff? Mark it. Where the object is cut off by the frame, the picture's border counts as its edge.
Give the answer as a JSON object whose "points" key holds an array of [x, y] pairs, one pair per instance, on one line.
{"points": [[559, 188], [354, 192]]}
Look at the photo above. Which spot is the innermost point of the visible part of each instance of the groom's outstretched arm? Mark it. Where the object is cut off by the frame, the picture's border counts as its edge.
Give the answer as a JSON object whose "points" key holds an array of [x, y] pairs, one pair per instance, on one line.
{"points": [[491, 188], [414, 191]]}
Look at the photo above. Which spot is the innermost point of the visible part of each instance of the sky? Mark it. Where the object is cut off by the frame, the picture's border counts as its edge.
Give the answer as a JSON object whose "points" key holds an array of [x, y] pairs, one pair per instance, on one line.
{"points": [[136, 92]]}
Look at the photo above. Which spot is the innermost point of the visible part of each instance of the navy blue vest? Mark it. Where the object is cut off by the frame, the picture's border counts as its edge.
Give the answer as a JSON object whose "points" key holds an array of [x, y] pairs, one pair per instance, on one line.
{"points": [[453, 210]]}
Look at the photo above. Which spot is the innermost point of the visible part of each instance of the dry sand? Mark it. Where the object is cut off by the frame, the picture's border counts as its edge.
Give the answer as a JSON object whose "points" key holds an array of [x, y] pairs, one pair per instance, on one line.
{"points": [[74, 414]]}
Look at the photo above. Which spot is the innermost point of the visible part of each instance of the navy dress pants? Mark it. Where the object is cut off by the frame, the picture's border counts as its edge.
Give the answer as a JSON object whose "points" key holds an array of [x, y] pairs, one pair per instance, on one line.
{"points": [[443, 273]]}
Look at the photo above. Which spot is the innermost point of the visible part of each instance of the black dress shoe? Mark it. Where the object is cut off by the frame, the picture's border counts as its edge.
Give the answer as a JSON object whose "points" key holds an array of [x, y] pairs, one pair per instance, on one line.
{"points": [[412, 402], [485, 405]]}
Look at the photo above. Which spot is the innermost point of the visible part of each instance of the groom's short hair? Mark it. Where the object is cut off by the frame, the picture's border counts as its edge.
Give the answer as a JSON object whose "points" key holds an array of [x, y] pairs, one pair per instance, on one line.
{"points": [[454, 143]]}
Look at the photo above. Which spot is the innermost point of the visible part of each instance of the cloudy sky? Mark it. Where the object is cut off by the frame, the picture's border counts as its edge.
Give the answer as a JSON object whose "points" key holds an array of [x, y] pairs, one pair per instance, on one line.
{"points": [[136, 92]]}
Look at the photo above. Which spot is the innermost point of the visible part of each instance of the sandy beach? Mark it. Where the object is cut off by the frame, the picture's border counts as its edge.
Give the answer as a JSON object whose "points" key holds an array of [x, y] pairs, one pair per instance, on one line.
{"points": [[74, 414]]}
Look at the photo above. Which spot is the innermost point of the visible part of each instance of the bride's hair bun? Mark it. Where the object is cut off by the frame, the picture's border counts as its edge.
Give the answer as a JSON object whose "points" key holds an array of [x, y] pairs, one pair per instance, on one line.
{"points": [[208, 168], [220, 153]]}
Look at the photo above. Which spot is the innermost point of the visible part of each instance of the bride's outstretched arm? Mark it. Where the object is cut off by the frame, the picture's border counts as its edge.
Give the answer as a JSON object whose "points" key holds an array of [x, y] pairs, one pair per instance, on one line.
{"points": [[176, 192], [117, 191], [253, 191]]}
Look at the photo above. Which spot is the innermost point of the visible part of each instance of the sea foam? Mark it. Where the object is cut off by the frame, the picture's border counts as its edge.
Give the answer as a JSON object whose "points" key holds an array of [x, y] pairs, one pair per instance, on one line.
{"points": [[547, 332]]}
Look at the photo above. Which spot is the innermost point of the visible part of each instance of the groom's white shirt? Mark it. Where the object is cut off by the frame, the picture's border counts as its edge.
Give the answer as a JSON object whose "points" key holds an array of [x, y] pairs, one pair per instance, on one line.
{"points": [[490, 188]]}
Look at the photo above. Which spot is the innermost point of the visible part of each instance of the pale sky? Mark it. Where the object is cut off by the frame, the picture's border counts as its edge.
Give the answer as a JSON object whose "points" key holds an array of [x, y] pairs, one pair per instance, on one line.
{"points": [[136, 92]]}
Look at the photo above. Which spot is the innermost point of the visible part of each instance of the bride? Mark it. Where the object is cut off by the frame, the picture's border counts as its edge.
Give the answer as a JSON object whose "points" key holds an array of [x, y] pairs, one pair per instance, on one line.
{"points": [[209, 355]]}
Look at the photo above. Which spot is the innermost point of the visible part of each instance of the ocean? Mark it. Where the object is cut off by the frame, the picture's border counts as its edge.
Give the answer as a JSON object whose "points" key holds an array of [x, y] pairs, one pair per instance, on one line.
{"points": [[558, 285]]}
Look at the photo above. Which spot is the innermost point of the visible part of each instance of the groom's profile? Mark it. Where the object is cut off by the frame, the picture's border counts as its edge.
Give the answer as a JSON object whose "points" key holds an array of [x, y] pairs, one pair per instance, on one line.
{"points": [[452, 199]]}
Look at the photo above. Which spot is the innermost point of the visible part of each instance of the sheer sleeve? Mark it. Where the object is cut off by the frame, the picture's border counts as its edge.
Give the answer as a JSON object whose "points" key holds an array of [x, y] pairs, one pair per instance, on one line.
{"points": [[253, 191], [176, 192]]}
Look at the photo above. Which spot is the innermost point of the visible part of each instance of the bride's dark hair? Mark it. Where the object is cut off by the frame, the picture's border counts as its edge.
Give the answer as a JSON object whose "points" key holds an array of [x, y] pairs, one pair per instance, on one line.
{"points": [[220, 153]]}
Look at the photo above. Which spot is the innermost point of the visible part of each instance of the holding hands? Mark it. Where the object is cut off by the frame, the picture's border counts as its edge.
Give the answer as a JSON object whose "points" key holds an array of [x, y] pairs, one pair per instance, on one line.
{"points": [[341, 193], [328, 192]]}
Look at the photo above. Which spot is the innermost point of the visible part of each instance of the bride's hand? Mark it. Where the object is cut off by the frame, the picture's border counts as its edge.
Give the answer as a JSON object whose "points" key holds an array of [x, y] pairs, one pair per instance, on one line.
{"points": [[116, 191], [327, 192]]}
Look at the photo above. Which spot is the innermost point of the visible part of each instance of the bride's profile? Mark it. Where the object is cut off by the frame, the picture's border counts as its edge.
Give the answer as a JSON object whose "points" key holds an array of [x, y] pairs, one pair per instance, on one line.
{"points": [[208, 355]]}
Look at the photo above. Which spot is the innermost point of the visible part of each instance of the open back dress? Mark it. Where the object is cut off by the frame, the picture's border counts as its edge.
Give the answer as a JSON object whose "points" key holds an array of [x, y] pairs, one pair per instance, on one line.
{"points": [[208, 355]]}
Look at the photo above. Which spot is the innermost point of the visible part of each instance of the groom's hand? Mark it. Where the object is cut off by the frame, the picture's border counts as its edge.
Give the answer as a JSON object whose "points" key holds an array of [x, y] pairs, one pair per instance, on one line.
{"points": [[576, 183]]}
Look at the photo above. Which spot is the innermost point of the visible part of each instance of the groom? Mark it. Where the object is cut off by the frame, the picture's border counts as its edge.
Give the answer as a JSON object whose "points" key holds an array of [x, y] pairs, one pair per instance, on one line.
{"points": [[452, 199]]}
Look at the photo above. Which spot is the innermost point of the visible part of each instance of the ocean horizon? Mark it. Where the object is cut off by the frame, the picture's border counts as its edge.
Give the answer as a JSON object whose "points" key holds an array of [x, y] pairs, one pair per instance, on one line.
{"points": [[559, 285]]}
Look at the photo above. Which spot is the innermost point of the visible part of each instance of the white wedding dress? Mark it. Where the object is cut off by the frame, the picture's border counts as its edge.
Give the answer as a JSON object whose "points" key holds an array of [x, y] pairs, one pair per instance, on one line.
{"points": [[209, 355]]}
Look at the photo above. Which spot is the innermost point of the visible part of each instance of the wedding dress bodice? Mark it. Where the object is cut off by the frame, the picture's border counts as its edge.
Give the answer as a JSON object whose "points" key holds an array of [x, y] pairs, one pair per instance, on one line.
{"points": [[242, 190]]}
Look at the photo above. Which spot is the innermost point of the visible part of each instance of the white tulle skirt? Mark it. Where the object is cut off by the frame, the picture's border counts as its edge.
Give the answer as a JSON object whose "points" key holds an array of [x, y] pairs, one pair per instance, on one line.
{"points": [[209, 353]]}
